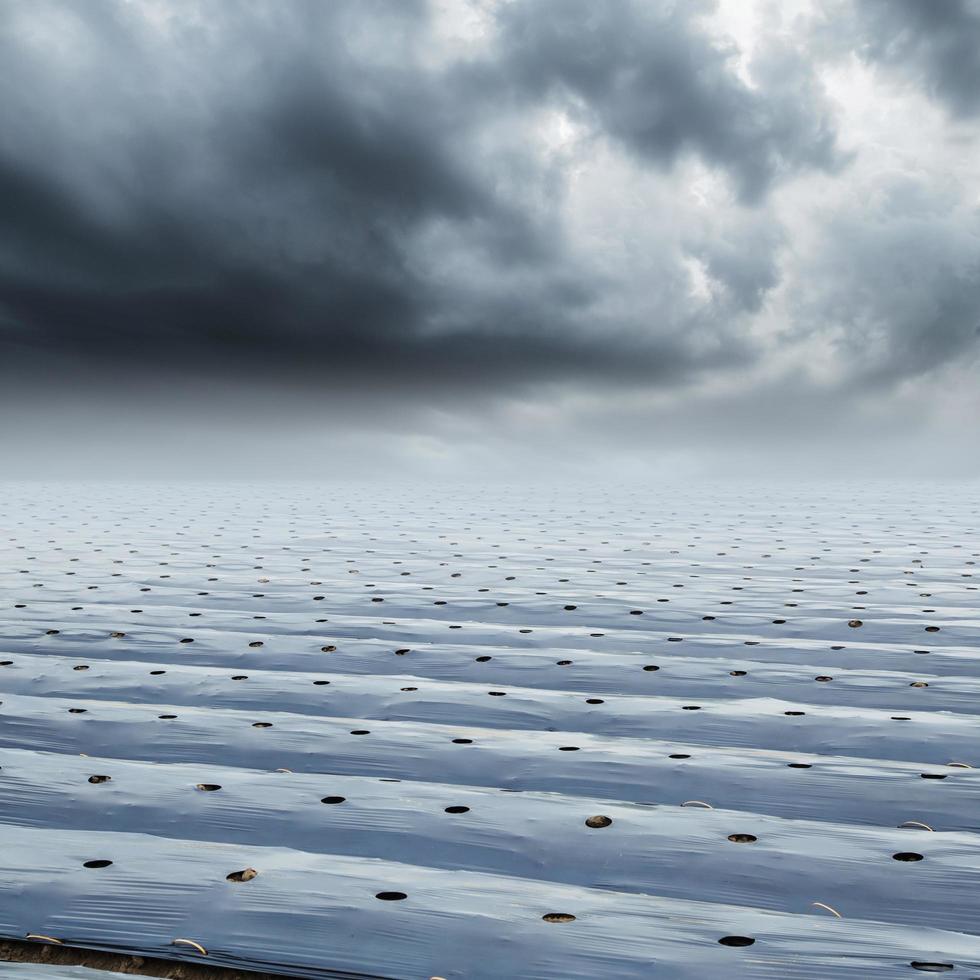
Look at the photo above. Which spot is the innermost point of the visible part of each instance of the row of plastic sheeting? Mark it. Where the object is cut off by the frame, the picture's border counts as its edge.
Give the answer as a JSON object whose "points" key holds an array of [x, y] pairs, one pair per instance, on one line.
{"points": [[548, 736]]}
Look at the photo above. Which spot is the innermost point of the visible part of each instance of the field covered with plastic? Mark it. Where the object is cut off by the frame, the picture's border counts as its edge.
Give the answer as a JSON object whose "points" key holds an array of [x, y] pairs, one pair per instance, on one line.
{"points": [[414, 732]]}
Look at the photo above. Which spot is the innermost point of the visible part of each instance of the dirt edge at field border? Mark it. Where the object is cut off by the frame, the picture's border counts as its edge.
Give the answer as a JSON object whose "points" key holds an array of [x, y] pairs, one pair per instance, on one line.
{"points": [[30, 951]]}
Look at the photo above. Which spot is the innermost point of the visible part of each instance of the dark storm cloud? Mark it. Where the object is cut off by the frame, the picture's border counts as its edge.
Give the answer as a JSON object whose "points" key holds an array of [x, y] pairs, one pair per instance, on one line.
{"points": [[935, 44], [303, 189], [654, 80], [326, 216], [261, 194]]}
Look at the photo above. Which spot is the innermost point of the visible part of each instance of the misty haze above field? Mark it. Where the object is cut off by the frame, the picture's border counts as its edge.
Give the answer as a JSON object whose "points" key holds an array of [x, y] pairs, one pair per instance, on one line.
{"points": [[306, 238]]}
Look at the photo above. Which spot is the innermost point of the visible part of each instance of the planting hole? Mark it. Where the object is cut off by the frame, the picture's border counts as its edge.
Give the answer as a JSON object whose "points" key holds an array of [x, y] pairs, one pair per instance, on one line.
{"points": [[598, 821]]}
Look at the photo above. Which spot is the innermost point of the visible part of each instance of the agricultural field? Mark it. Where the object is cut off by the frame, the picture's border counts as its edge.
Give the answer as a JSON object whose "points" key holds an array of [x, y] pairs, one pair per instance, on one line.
{"points": [[410, 731]]}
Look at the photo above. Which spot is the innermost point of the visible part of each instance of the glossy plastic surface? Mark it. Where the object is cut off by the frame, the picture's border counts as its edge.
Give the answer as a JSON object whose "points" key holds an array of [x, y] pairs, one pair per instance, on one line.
{"points": [[437, 724]]}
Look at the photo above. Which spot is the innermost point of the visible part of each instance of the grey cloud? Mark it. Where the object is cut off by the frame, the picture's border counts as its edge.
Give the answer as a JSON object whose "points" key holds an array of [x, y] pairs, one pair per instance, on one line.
{"points": [[895, 282], [743, 259], [255, 187], [933, 43], [320, 216], [650, 77]]}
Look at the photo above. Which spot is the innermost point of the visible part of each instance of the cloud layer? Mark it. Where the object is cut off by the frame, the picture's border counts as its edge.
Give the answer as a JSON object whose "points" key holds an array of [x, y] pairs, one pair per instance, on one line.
{"points": [[487, 209]]}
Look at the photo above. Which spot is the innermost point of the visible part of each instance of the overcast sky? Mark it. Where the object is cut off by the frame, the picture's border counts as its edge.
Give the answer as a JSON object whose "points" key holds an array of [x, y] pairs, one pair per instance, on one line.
{"points": [[548, 237]]}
